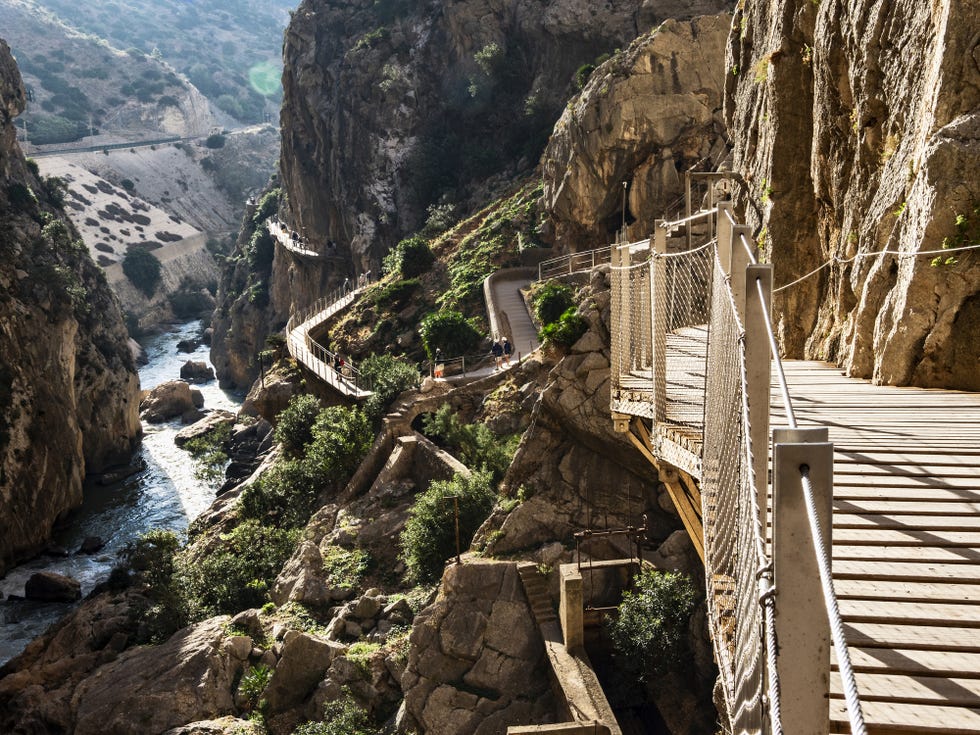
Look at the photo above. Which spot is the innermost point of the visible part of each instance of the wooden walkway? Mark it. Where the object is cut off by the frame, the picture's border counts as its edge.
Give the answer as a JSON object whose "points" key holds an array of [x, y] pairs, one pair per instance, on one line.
{"points": [[906, 532]]}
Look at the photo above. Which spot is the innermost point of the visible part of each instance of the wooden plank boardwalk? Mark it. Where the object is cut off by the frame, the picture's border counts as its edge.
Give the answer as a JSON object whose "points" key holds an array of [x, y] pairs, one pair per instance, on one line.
{"points": [[906, 553], [906, 534]]}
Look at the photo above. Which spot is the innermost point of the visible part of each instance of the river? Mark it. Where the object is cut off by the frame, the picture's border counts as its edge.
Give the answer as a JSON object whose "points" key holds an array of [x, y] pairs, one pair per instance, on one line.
{"points": [[164, 494]]}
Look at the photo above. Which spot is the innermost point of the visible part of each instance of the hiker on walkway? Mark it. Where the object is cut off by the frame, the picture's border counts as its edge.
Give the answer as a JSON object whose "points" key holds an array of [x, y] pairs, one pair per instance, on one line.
{"points": [[497, 350], [440, 366], [508, 351]]}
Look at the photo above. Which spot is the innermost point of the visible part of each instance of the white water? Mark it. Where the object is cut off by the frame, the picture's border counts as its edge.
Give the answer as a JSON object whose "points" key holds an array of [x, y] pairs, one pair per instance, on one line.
{"points": [[165, 494]]}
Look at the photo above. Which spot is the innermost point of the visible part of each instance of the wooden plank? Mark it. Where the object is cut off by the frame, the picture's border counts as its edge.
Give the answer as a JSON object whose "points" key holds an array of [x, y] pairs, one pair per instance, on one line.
{"points": [[913, 637], [909, 572], [918, 493], [913, 662], [959, 692], [911, 613], [899, 520], [908, 591], [916, 554], [908, 719], [864, 535], [906, 506]]}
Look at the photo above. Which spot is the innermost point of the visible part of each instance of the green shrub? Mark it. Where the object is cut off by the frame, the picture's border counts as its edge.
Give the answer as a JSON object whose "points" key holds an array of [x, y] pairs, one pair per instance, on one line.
{"points": [[340, 717], [411, 257], [268, 205], [477, 446], [215, 140], [142, 269], [650, 634], [429, 539], [388, 377], [21, 197], [345, 568], [448, 331], [582, 75], [152, 558], [284, 497], [395, 295], [551, 301], [188, 304], [294, 424], [209, 452], [253, 683], [567, 330], [261, 249], [236, 575], [341, 438]]}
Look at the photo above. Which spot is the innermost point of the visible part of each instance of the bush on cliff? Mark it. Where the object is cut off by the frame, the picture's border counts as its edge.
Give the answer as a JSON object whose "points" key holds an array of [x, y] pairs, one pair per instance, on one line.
{"points": [[142, 269], [410, 258], [567, 330], [294, 424], [650, 635], [448, 331], [475, 444], [388, 377], [429, 537], [340, 717], [551, 301]]}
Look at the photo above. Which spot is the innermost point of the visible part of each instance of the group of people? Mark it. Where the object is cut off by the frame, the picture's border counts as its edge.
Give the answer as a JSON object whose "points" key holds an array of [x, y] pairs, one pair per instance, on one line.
{"points": [[501, 350]]}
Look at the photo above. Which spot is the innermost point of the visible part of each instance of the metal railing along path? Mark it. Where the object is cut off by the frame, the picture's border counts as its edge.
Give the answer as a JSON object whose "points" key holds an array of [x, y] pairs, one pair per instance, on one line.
{"points": [[299, 245], [692, 350], [324, 363]]}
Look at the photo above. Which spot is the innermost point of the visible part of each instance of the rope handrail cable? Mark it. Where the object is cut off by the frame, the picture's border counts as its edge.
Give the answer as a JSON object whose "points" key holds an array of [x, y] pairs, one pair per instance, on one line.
{"points": [[854, 711], [701, 213], [746, 243], [898, 253], [774, 348], [692, 251]]}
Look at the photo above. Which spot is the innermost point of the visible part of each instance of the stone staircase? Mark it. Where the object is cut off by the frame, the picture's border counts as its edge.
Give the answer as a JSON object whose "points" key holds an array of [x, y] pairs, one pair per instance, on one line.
{"points": [[537, 593]]}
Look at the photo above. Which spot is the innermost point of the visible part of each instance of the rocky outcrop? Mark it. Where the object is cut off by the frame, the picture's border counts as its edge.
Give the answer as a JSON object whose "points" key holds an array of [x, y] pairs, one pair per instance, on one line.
{"points": [[387, 109], [856, 127], [477, 662], [645, 117], [572, 471], [52, 587], [169, 400], [68, 387]]}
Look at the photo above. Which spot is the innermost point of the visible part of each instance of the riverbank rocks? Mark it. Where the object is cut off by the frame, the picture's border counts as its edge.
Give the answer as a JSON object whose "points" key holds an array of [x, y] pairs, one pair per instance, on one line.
{"points": [[221, 726], [196, 371], [167, 401], [211, 422], [52, 587], [477, 663], [91, 545]]}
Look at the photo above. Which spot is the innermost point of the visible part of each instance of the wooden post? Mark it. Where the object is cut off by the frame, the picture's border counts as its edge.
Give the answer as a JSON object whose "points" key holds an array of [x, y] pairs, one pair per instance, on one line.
{"points": [[802, 627], [758, 371], [658, 323]]}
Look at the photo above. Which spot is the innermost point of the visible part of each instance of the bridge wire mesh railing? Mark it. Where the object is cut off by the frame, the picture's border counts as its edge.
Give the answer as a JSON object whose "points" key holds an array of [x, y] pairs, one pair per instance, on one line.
{"points": [[681, 312], [737, 569]]}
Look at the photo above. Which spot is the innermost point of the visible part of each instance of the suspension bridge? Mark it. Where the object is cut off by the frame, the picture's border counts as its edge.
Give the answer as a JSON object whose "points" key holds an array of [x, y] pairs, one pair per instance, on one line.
{"points": [[841, 549]]}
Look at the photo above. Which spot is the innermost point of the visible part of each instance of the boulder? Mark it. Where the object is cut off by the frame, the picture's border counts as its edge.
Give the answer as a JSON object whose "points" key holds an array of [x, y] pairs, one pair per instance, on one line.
{"points": [[91, 545], [205, 426], [196, 371], [188, 345], [52, 587], [167, 401], [302, 663]]}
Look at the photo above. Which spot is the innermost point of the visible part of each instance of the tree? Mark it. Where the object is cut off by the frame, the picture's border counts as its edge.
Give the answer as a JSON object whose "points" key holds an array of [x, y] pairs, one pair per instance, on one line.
{"points": [[142, 269]]}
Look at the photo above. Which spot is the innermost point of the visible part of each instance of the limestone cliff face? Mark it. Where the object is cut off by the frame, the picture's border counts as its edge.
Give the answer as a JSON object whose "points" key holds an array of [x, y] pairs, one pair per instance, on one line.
{"points": [[389, 109], [645, 117], [69, 392], [856, 125]]}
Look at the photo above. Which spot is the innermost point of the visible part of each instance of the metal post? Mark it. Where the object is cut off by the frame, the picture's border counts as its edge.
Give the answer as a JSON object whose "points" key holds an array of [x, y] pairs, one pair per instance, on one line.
{"points": [[757, 368], [725, 236], [658, 321], [456, 512], [687, 206], [802, 626], [740, 261]]}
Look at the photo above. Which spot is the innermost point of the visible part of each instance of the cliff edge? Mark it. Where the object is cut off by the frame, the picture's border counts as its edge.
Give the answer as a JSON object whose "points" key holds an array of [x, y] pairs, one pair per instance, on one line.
{"points": [[69, 392]]}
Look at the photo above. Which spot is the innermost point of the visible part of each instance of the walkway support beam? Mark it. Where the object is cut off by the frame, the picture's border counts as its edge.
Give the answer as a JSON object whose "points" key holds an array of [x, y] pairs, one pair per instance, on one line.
{"points": [[802, 626]]}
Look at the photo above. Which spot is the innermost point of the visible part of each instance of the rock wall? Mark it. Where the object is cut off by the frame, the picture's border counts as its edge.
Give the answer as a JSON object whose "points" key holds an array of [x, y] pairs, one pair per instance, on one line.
{"points": [[390, 108], [477, 663], [645, 117], [69, 392], [856, 127]]}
